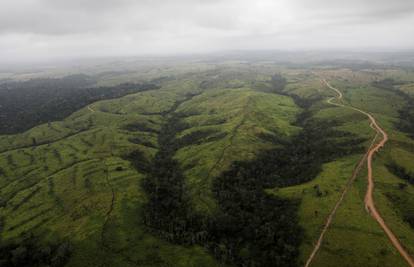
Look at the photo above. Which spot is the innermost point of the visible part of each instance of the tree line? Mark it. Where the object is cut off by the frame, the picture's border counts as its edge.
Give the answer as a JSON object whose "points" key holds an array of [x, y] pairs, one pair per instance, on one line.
{"points": [[31, 252], [24, 105]]}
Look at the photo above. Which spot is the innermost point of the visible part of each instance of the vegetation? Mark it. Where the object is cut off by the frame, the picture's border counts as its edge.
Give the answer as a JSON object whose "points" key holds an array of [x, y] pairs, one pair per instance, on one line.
{"points": [[276, 85], [406, 113], [29, 252], [246, 229], [401, 172], [353, 232], [252, 228], [168, 210], [226, 165], [27, 104], [402, 200], [402, 205]]}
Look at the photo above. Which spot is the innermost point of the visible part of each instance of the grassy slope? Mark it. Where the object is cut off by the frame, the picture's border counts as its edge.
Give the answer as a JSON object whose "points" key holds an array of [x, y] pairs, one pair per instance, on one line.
{"points": [[243, 114]]}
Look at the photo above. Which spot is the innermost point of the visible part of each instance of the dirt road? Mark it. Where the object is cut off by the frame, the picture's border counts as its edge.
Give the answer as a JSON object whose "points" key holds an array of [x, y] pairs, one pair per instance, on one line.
{"points": [[369, 200], [344, 191]]}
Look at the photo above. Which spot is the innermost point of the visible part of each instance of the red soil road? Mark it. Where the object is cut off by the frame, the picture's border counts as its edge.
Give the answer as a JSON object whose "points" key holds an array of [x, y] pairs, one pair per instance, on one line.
{"points": [[344, 191], [369, 200]]}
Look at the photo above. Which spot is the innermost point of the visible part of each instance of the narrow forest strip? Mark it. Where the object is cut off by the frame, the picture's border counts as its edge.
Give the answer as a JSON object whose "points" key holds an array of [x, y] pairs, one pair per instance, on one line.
{"points": [[168, 211]]}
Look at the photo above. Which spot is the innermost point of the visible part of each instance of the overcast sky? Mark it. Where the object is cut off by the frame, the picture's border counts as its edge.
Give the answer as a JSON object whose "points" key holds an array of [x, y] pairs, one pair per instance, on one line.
{"points": [[49, 29]]}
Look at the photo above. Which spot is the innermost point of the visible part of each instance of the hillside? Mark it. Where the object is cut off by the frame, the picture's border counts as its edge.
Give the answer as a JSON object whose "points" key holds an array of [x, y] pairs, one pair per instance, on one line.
{"points": [[227, 164]]}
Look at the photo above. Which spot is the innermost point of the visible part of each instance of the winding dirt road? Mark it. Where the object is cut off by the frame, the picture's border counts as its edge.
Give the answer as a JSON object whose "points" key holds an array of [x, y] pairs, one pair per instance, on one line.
{"points": [[369, 200], [344, 191]]}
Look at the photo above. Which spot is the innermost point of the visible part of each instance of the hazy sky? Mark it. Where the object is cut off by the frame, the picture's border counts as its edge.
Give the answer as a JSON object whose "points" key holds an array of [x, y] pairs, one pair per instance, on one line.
{"points": [[47, 29]]}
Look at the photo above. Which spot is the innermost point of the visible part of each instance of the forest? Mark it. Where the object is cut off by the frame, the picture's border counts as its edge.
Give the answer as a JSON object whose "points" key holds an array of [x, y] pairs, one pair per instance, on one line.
{"points": [[30, 252], [24, 105]]}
